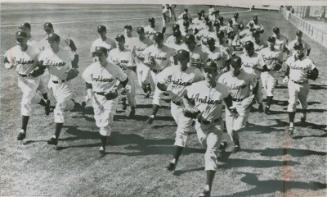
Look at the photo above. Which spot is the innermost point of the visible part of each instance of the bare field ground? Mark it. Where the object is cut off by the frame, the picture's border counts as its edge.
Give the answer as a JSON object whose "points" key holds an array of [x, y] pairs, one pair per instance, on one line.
{"points": [[270, 164]]}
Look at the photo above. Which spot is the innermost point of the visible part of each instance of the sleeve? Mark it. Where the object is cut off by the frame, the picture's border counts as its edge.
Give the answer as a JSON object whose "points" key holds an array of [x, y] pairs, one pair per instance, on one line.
{"points": [[120, 75], [261, 62], [221, 80], [223, 90], [164, 75], [312, 65], [86, 76], [198, 76], [188, 93], [92, 49], [111, 58], [8, 56]]}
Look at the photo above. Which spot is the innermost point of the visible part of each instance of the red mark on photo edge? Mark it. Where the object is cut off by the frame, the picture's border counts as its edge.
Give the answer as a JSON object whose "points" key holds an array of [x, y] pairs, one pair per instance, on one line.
{"points": [[287, 171]]}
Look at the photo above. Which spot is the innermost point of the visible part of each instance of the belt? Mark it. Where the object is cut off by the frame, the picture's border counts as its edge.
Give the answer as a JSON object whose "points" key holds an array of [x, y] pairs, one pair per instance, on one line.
{"points": [[206, 122], [156, 71], [56, 82], [22, 75], [238, 100], [179, 103], [300, 82]]}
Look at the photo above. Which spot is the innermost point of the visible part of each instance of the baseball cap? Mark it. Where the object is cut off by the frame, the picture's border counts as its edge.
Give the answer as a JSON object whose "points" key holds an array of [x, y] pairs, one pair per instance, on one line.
{"points": [[20, 35], [216, 24], [299, 33], [211, 41], [120, 38], [231, 34], [186, 23], [210, 67], [100, 50], [129, 27], [140, 29], [158, 36], [276, 30], [151, 20], [298, 46], [24, 26], [235, 61], [248, 45], [48, 25], [251, 23], [236, 15], [189, 39], [175, 26], [177, 33], [271, 39], [182, 55], [255, 17], [101, 28], [221, 18], [220, 34], [53, 37]]}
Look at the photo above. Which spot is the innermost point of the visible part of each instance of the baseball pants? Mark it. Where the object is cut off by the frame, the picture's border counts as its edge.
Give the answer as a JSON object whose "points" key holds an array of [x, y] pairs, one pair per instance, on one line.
{"points": [[63, 96], [258, 95], [297, 92], [130, 87], [268, 83], [143, 75], [184, 124], [28, 86], [104, 113], [44, 80], [210, 136], [236, 123], [157, 92]]}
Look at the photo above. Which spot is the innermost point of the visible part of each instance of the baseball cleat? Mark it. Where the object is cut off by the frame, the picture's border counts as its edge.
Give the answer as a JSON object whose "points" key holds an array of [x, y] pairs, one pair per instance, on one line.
{"points": [[102, 150], [132, 113], [205, 193], [21, 135], [290, 131], [150, 120], [47, 107], [267, 110], [171, 166], [260, 108], [52, 141]]}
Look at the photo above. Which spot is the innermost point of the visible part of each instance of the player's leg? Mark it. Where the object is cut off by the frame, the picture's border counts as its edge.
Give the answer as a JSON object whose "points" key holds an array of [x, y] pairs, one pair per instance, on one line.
{"points": [[155, 100], [258, 95], [293, 93], [131, 91], [303, 95], [271, 83], [229, 119], [43, 88]]}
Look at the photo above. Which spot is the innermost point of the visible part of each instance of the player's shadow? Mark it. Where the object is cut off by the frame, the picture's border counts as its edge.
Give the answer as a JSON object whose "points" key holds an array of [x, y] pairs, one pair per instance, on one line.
{"points": [[310, 110], [310, 125], [140, 106], [313, 135], [318, 87], [273, 152], [237, 163], [183, 171], [272, 186], [142, 118]]}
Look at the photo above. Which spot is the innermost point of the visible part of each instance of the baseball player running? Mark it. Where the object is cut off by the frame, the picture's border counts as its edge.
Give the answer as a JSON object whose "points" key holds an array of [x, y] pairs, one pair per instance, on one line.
{"points": [[102, 82], [26, 27], [150, 29], [197, 56], [174, 80], [299, 39], [143, 72], [204, 101], [24, 58], [63, 67], [241, 86], [273, 60], [157, 56], [124, 59], [103, 40], [300, 70], [253, 63]]}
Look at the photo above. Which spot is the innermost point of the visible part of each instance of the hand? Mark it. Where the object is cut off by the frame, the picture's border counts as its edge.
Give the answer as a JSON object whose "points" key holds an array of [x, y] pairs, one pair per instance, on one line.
{"points": [[191, 112], [233, 111]]}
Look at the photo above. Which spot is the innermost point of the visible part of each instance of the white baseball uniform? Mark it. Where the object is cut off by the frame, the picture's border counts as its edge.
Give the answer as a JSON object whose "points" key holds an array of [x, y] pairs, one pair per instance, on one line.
{"points": [[197, 57], [209, 100], [298, 86], [219, 55], [103, 79], [291, 44], [170, 42], [24, 63], [176, 81], [58, 65], [108, 43], [124, 59]]}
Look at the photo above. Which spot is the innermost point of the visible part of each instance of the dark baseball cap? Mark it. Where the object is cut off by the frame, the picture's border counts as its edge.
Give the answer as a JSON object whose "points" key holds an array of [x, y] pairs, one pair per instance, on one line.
{"points": [[220, 34], [53, 37], [24, 26], [271, 39], [298, 46], [186, 23], [221, 18], [236, 15], [216, 24], [101, 28], [140, 30], [211, 41], [248, 45], [177, 33], [182, 55], [129, 27], [175, 26], [151, 20], [158, 36], [210, 67], [299, 33], [100, 50], [276, 30], [235, 61], [48, 25], [189, 39], [21, 34], [120, 38]]}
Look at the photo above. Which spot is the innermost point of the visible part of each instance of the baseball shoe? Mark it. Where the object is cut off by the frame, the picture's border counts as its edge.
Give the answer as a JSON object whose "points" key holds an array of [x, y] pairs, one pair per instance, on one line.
{"points": [[260, 108], [303, 120], [205, 193], [267, 110], [132, 113], [290, 131], [47, 107], [21, 135], [171, 166], [102, 150], [52, 141], [150, 119]]}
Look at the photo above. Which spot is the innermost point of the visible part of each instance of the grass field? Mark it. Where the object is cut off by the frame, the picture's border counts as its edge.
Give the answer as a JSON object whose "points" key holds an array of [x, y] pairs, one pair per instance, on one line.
{"points": [[271, 163]]}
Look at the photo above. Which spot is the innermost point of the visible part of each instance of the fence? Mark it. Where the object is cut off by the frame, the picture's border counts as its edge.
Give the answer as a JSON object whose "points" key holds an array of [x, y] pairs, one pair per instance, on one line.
{"points": [[310, 30]]}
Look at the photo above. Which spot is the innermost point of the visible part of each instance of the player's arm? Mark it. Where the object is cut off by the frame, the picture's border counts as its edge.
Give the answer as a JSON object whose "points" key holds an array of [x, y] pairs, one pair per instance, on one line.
{"points": [[8, 60], [162, 79]]}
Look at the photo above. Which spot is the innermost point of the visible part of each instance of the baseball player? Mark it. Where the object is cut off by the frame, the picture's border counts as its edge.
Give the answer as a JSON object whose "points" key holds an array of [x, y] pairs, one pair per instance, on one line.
{"points": [[143, 72], [174, 80], [129, 39], [24, 58], [103, 40], [197, 56], [124, 58], [167, 18], [241, 86], [183, 14], [103, 80], [26, 27], [205, 98], [198, 23], [281, 41], [63, 67], [150, 29], [252, 63], [272, 62], [254, 23], [300, 70], [157, 57], [208, 32], [299, 39], [176, 40]]}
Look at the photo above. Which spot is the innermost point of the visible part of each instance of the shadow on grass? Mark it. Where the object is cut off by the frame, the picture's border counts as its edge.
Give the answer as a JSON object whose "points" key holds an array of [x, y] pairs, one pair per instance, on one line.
{"points": [[272, 186], [180, 172], [272, 152], [312, 87], [236, 163]]}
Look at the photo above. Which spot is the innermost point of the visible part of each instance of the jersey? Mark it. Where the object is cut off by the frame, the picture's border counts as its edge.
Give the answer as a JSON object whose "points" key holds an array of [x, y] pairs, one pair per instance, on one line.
{"points": [[149, 31], [271, 58], [24, 61], [239, 86], [299, 68], [252, 64], [291, 44], [129, 42], [162, 56], [170, 42], [103, 78], [138, 47], [218, 55], [177, 80], [108, 43], [58, 63], [124, 59], [281, 42], [209, 100], [197, 56]]}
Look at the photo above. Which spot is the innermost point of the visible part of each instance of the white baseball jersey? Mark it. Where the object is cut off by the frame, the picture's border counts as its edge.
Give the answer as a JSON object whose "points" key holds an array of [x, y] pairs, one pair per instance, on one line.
{"points": [[149, 31], [219, 56], [162, 56], [299, 68], [129, 42], [209, 100], [244, 33], [271, 58], [197, 56], [170, 42], [198, 24], [177, 80], [138, 48], [58, 64], [24, 61], [108, 43], [252, 64], [124, 59], [240, 86], [281, 42], [103, 78], [291, 44]]}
